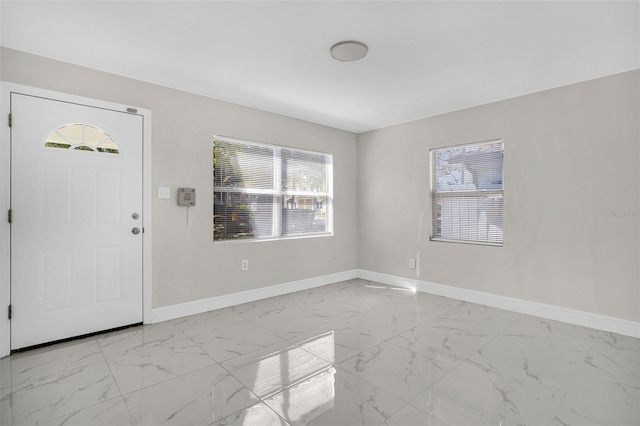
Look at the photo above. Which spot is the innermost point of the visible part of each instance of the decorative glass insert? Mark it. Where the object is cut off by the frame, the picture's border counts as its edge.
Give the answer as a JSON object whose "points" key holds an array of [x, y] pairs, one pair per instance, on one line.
{"points": [[82, 137]]}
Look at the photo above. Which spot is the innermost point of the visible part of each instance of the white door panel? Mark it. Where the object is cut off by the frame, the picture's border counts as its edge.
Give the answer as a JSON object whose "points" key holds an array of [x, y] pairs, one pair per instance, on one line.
{"points": [[76, 267]]}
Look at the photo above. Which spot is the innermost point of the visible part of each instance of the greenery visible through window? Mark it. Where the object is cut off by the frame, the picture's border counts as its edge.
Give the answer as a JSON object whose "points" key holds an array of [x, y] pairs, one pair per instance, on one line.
{"points": [[467, 193], [266, 191]]}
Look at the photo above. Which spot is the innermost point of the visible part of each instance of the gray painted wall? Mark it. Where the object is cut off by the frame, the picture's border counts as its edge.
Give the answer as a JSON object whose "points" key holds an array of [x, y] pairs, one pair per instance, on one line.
{"points": [[571, 155], [186, 264]]}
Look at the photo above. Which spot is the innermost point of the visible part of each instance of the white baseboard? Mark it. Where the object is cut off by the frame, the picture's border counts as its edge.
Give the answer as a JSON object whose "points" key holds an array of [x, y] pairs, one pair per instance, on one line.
{"points": [[558, 313], [204, 305]]}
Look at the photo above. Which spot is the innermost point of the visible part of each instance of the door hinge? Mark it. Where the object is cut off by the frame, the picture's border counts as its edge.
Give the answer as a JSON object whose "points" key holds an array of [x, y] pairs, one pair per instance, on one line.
{"points": [[9, 315], [10, 216], [10, 120]]}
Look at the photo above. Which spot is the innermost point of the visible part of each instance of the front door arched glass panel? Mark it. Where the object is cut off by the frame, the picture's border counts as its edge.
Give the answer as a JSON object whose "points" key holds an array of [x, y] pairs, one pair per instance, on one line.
{"points": [[82, 137]]}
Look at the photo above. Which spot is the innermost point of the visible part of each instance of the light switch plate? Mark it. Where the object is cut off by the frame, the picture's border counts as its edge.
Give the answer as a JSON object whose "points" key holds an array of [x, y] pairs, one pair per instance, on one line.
{"points": [[164, 193]]}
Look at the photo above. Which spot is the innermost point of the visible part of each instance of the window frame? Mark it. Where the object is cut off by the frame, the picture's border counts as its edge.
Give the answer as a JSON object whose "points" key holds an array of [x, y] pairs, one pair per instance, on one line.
{"points": [[433, 194], [278, 193]]}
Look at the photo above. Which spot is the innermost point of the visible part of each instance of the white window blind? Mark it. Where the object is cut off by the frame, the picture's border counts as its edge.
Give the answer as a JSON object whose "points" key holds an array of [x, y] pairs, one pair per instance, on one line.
{"points": [[269, 191], [467, 193]]}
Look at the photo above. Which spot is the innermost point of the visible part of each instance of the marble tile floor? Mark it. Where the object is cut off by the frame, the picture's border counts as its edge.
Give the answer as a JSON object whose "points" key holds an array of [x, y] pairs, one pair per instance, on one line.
{"points": [[352, 353]]}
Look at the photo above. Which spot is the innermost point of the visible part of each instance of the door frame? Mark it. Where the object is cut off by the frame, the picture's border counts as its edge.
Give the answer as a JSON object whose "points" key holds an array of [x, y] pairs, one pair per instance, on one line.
{"points": [[6, 89]]}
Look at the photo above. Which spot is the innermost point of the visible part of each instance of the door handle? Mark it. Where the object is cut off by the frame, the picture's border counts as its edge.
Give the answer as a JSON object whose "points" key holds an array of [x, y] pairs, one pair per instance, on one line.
{"points": [[135, 231]]}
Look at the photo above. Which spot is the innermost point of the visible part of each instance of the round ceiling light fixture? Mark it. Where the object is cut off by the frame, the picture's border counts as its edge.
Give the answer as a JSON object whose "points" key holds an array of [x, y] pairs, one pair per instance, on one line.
{"points": [[349, 51]]}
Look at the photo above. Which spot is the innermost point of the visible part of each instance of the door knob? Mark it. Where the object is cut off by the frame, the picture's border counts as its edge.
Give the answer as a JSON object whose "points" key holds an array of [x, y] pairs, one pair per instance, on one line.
{"points": [[135, 231]]}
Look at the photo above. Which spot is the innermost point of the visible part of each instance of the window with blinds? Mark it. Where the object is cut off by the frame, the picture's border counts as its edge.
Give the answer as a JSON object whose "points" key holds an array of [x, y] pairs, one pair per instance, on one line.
{"points": [[467, 193], [266, 191]]}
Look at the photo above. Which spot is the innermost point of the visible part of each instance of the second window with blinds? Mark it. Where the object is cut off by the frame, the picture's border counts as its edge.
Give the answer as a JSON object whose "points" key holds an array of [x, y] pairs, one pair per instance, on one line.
{"points": [[467, 193], [266, 191]]}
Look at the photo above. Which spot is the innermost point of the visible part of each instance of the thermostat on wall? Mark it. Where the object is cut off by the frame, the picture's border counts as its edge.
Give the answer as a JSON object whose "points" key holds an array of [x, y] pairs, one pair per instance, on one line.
{"points": [[186, 196]]}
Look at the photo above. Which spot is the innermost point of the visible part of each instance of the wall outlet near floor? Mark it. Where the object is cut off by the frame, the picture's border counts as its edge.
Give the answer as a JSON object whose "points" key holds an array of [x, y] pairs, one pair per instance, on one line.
{"points": [[412, 263], [245, 265]]}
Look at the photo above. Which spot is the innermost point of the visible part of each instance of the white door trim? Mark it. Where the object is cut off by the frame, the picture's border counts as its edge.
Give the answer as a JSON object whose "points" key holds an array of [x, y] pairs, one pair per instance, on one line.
{"points": [[5, 196]]}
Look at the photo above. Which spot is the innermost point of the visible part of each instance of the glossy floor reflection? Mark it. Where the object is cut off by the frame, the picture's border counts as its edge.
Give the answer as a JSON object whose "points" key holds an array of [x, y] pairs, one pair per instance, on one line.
{"points": [[353, 353]]}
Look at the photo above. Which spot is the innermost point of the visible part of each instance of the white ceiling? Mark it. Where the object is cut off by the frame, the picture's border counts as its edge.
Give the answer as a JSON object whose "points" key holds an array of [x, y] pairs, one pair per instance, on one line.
{"points": [[425, 57]]}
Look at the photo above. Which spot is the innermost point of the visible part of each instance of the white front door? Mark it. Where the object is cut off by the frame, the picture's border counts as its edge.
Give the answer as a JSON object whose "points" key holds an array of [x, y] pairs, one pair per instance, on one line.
{"points": [[76, 202]]}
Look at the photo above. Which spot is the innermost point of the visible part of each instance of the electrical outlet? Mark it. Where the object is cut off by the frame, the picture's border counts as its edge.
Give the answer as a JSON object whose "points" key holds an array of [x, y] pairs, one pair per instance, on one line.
{"points": [[245, 265], [412, 263]]}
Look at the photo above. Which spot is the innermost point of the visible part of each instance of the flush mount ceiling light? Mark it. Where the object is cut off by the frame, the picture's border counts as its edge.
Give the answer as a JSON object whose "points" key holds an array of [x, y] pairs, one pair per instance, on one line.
{"points": [[349, 51]]}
